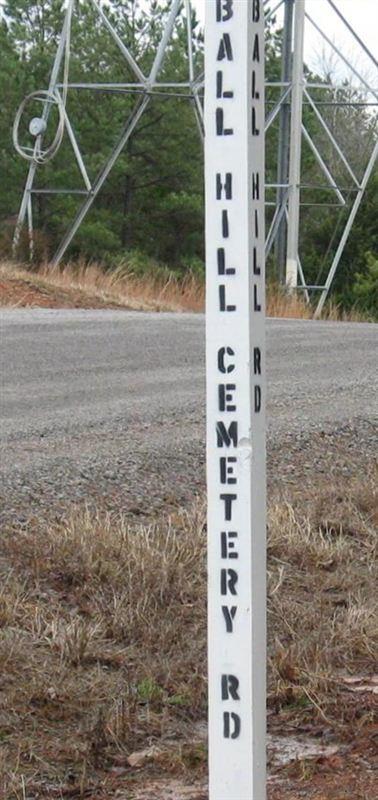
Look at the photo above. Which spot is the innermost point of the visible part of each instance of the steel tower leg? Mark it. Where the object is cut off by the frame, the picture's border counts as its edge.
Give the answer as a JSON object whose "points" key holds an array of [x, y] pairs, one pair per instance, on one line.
{"points": [[126, 133], [46, 111], [347, 230], [284, 141], [295, 147]]}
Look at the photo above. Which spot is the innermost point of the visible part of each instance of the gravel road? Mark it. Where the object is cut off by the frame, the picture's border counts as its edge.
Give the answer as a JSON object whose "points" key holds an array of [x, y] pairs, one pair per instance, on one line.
{"points": [[108, 406]]}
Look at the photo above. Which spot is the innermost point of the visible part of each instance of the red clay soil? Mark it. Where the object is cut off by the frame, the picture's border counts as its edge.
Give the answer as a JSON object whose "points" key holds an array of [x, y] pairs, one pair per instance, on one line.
{"points": [[351, 774], [16, 293]]}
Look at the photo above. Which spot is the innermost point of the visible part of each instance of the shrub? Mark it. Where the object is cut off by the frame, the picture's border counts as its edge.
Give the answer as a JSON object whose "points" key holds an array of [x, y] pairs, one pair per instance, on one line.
{"points": [[365, 288]]}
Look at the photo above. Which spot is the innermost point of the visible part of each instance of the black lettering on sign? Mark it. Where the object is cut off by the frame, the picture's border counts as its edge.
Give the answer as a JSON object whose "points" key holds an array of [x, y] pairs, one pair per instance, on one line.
{"points": [[230, 687], [229, 616], [227, 470], [228, 545], [225, 436], [225, 396], [223, 306], [222, 353], [224, 10], [256, 49], [256, 361], [221, 130], [255, 129], [256, 224], [256, 269], [255, 186], [225, 48], [225, 187], [225, 225], [228, 500], [256, 304], [221, 258], [229, 579], [231, 725], [256, 10], [257, 393], [220, 93], [255, 93]]}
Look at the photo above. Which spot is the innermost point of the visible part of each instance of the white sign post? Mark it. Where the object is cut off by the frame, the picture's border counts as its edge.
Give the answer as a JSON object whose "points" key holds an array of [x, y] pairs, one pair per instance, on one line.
{"points": [[235, 333]]}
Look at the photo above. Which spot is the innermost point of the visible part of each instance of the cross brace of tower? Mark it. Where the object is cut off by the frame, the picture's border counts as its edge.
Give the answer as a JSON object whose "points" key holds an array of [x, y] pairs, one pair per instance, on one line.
{"points": [[295, 91]]}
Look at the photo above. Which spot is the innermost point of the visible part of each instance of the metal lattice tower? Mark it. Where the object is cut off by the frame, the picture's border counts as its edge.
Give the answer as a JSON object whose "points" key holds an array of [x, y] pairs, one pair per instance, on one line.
{"points": [[295, 93]]}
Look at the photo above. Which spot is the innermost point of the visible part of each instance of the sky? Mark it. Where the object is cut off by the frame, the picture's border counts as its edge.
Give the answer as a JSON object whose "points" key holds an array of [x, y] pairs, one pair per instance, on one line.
{"points": [[362, 15]]}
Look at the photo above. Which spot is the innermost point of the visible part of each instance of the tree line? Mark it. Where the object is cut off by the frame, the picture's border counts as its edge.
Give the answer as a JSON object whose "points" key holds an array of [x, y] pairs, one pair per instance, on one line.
{"points": [[151, 208]]}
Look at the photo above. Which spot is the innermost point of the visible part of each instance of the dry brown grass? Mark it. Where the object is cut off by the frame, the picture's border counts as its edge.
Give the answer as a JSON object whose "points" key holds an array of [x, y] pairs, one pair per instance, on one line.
{"points": [[115, 288], [102, 641], [99, 645], [323, 596], [86, 283], [293, 306]]}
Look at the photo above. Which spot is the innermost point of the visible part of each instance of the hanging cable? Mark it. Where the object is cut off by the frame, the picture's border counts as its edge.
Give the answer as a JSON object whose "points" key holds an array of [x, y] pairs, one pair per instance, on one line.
{"points": [[38, 125]]}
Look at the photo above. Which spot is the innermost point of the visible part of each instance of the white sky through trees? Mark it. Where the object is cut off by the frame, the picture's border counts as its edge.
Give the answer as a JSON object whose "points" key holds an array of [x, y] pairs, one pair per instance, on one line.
{"points": [[362, 15]]}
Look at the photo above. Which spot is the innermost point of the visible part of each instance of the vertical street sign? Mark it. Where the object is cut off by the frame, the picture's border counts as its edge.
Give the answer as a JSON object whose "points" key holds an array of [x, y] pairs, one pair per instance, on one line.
{"points": [[235, 354]]}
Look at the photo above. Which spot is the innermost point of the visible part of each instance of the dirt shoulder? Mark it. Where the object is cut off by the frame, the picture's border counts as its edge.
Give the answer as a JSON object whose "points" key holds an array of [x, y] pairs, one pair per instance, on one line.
{"points": [[103, 649], [91, 286], [79, 285], [30, 292]]}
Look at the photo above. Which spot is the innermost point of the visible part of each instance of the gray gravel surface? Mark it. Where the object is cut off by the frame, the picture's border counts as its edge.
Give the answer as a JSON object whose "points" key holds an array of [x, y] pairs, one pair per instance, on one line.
{"points": [[107, 407]]}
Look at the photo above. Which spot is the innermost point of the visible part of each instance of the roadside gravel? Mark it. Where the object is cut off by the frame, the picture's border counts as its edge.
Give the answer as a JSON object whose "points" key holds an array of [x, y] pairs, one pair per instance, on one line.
{"points": [[107, 408]]}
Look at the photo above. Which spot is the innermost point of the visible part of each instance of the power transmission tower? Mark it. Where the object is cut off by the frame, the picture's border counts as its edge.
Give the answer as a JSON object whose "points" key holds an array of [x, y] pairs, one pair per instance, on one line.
{"points": [[144, 85], [296, 93]]}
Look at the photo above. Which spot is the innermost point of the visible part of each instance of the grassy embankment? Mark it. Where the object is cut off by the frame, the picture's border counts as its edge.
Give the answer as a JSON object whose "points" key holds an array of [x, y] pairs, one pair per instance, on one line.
{"points": [[87, 285], [103, 648]]}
